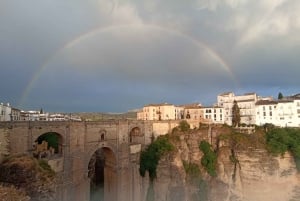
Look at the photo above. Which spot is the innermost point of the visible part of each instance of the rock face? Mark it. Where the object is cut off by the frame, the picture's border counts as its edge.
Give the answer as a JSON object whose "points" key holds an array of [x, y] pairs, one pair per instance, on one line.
{"points": [[258, 176], [27, 174], [254, 175]]}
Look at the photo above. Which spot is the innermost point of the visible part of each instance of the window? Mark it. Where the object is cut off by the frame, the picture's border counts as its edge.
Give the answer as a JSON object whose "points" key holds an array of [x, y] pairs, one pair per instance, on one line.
{"points": [[264, 113], [270, 107], [271, 113]]}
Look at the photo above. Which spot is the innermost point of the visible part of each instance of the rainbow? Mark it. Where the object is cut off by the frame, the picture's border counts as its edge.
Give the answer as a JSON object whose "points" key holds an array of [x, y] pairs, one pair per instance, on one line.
{"points": [[99, 30]]}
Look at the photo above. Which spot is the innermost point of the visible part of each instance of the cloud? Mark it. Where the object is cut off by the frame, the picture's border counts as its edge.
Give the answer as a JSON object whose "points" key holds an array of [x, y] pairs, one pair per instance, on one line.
{"points": [[277, 18], [110, 53]]}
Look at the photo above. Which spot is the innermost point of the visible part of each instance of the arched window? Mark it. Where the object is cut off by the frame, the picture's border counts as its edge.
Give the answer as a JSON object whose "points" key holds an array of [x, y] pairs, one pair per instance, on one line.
{"points": [[136, 135], [102, 135]]}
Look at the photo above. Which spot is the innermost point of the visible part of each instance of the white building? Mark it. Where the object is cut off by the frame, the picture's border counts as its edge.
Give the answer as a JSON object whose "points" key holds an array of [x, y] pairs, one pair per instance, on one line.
{"points": [[266, 112], [5, 112], [245, 102], [15, 114], [282, 113], [213, 114], [30, 115]]}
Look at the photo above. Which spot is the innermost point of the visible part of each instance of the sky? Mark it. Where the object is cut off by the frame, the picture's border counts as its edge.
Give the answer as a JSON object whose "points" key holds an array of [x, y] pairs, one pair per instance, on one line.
{"points": [[119, 55]]}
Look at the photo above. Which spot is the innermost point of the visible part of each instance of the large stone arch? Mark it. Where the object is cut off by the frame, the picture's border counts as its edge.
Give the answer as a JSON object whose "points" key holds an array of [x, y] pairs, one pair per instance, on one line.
{"points": [[101, 166]]}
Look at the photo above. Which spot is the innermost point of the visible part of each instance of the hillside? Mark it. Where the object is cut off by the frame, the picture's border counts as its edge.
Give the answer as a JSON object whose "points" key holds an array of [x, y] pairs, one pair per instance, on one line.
{"points": [[33, 178]]}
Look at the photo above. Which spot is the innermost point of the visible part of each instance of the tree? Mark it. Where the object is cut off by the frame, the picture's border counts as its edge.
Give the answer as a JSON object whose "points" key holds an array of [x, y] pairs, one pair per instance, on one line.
{"points": [[209, 159], [184, 126], [280, 96], [236, 117]]}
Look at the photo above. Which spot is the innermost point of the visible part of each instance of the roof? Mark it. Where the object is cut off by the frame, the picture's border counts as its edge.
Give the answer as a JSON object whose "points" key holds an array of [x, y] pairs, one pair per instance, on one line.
{"points": [[247, 100], [16, 109], [192, 107], [212, 107], [266, 102], [285, 101], [158, 104], [251, 93], [225, 93], [293, 97]]}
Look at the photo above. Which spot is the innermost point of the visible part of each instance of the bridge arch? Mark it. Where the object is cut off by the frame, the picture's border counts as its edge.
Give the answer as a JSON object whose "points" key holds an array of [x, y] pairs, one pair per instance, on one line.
{"points": [[102, 173], [48, 144]]}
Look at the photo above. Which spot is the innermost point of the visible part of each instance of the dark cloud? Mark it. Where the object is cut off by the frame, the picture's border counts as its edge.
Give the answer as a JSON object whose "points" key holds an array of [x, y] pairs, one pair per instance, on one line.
{"points": [[115, 55]]}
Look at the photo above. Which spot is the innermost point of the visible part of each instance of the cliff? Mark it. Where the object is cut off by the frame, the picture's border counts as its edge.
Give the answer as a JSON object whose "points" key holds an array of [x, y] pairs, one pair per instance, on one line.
{"points": [[33, 178], [245, 170]]}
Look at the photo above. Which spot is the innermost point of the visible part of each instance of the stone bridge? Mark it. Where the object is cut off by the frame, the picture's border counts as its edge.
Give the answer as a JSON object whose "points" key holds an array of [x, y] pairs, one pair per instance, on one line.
{"points": [[119, 142]]}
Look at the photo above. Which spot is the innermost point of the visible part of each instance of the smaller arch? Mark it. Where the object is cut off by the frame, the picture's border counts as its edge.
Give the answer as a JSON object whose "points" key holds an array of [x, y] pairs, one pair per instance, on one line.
{"points": [[136, 135], [48, 145], [102, 134]]}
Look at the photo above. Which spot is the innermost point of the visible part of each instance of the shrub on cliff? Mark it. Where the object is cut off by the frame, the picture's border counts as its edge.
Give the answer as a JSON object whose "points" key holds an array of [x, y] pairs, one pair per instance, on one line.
{"points": [[184, 126], [280, 140], [209, 159], [151, 155]]}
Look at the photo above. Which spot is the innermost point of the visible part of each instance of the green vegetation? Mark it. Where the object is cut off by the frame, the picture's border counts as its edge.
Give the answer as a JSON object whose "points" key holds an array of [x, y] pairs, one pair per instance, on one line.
{"points": [[25, 172], [195, 178], [46, 167], [191, 169], [184, 126], [151, 155], [280, 96], [280, 140], [209, 160], [236, 139], [51, 138], [150, 192]]}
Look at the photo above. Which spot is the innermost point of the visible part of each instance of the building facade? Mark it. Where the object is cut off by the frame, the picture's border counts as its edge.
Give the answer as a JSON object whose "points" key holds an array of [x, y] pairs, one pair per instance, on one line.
{"points": [[193, 112], [162, 111], [245, 102], [5, 112], [282, 113], [213, 114]]}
